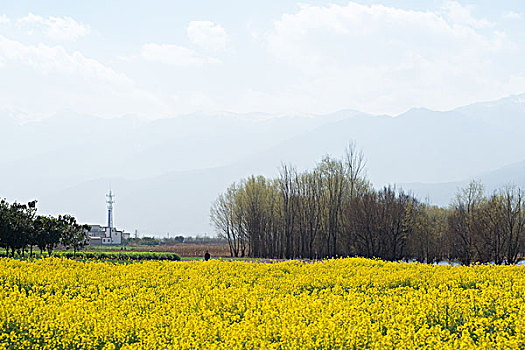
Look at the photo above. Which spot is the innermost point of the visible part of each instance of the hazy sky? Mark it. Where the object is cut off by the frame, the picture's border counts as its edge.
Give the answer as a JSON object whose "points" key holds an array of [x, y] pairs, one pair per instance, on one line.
{"points": [[164, 58]]}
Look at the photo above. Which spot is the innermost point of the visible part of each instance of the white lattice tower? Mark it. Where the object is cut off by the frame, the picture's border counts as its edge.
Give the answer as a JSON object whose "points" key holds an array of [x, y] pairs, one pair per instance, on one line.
{"points": [[110, 202]]}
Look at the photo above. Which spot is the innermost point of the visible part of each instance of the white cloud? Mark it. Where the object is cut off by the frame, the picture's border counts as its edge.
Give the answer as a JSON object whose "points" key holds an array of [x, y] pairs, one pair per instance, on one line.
{"points": [[459, 14], [47, 59], [207, 35], [174, 55], [56, 28], [357, 34], [63, 79], [385, 59], [511, 15], [4, 19]]}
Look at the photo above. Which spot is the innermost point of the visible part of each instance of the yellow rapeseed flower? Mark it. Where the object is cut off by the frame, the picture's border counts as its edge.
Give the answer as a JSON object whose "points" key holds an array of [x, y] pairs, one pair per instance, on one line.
{"points": [[334, 304]]}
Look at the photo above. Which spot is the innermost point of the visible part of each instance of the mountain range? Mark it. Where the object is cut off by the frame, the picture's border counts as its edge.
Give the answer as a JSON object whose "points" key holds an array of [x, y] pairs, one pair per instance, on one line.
{"points": [[166, 173]]}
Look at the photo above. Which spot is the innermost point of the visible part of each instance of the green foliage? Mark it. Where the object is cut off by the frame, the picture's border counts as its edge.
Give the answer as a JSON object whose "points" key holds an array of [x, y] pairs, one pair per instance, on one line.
{"points": [[21, 229], [120, 255], [112, 255]]}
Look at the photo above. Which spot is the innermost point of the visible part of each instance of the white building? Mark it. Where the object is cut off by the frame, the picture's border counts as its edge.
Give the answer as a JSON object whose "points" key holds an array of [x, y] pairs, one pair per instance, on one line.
{"points": [[107, 235]]}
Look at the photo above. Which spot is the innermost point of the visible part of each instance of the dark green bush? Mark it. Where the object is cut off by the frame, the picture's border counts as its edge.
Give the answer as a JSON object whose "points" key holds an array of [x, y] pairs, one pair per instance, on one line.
{"points": [[121, 256]]}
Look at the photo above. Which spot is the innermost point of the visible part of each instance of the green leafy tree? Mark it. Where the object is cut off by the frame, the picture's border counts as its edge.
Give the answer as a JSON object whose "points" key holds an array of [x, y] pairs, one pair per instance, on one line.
{"points": [[73, 234]]}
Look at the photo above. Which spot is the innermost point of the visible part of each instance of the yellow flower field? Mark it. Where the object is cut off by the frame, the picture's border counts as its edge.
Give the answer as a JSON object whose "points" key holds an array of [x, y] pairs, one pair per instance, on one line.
{"points": [[334, 304]]}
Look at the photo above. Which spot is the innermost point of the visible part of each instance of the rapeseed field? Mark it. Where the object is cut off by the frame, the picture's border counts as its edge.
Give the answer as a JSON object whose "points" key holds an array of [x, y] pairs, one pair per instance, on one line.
{"points": [[354, 303]]}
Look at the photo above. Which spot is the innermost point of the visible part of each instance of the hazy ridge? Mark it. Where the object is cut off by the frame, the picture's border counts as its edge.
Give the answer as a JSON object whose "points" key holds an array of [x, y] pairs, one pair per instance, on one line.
{"points": [[167, 172]]}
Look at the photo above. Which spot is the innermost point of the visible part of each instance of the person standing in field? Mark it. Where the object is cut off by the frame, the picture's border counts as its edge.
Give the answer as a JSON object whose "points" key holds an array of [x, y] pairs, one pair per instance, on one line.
{"points": [[207, 256]]}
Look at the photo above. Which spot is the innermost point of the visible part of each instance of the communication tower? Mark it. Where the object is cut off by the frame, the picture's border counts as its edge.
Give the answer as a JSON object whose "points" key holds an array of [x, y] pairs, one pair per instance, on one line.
{"points": [[110, 202]]}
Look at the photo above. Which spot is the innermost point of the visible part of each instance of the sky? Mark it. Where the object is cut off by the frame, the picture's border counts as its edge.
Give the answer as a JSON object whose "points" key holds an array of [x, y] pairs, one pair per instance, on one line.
{"points": [[156, 59]]}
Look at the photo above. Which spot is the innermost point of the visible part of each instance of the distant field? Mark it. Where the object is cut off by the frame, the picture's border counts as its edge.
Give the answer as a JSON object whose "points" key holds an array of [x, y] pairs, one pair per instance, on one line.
{"points": [[334, 304]]}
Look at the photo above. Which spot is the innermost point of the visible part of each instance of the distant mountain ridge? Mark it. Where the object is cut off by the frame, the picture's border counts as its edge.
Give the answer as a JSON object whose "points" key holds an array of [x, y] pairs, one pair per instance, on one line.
{"points": [[167, 172], [442, 193]]}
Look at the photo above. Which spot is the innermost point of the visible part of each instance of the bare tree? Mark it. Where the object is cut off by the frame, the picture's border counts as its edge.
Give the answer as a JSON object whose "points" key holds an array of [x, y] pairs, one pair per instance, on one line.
{"points": [[332, 210], [513, 203], [309, 210], [463, 220], [355, 164], [288, 190], [222, 215], [334, 184]]}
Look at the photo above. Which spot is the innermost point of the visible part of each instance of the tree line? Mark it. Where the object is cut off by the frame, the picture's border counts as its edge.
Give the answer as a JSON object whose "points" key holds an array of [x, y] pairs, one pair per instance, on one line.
{"points": [[333, 210], [21, 230]]}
